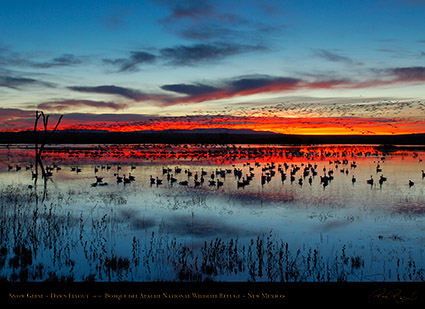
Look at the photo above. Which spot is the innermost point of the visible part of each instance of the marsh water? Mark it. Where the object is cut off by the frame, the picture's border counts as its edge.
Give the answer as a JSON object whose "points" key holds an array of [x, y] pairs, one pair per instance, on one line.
{"points": [[218, 212]]}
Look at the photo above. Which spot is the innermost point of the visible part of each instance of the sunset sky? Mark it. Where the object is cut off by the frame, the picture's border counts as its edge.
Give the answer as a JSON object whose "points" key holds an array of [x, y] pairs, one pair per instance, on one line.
{"points": [[296, 67]]}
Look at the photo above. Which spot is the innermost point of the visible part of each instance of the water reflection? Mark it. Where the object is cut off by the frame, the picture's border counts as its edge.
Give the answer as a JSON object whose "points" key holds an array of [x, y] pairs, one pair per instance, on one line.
{"points": [[216, 212]]}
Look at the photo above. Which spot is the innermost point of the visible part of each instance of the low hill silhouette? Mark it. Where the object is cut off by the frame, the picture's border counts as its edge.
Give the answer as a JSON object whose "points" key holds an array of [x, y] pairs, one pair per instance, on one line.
{"points": [[207, 136]]}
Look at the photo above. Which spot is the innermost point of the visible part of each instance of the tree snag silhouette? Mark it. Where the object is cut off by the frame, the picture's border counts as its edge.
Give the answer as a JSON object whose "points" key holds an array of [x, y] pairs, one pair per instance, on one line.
{"points": [[44, 140]]}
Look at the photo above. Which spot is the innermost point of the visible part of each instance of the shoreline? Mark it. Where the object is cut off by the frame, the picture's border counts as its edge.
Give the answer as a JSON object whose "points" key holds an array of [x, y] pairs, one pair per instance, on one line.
{"points": [[176, 137]]}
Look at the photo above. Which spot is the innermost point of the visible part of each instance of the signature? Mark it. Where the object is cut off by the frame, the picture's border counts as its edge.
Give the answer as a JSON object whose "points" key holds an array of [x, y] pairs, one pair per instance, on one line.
{"points": [[383, 295]]}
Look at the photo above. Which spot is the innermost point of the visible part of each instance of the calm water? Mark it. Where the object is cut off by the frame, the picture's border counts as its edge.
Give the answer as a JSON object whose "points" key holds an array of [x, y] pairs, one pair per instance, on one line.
{"points": [[249, 224]]}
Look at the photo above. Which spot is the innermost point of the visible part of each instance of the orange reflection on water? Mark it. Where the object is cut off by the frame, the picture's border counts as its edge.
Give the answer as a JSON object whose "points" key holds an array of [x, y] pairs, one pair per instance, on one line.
{"points": [[199, 154], [223, 154]]}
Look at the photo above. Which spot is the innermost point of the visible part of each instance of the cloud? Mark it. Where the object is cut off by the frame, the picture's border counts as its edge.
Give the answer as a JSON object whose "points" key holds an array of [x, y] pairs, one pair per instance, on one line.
{"points": [[259, 84], [253, 83], [128, 93], [187, 55], [196, 10], [408, 73], [18, 82], [182, 55], [333, 57], [206, 21], [105, 117], [191, 90], [72, 104], [15, 119], [131, 64], [64, 60], [7, 114], [211, 31], [9, 57], [243, 32], [242, 85]]}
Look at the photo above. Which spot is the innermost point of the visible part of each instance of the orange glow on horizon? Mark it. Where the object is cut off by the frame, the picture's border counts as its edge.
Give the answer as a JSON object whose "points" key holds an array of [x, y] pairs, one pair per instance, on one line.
{"points": [[302, 126], [283, 125]]}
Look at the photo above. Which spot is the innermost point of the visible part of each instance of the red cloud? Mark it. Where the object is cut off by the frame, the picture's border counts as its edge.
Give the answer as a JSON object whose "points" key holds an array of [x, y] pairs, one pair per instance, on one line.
{"points": [[258, 84]]}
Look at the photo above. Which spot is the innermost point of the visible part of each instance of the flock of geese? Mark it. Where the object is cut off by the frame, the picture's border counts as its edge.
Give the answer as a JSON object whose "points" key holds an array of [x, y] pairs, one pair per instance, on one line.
{"points": [[300, 173]]}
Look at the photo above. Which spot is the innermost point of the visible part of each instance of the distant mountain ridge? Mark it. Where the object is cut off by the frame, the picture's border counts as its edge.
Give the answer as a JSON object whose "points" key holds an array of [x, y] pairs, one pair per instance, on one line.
{"points": [[207, 136]]}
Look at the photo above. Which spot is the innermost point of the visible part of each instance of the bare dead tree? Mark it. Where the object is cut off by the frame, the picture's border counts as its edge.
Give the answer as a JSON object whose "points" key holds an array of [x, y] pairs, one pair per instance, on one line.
{"points": [[39, 148]]}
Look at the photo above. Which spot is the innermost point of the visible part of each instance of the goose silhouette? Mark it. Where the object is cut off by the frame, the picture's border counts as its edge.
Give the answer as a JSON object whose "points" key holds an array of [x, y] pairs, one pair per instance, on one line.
{"points": [[219, 183], [126, 180], [183, 183]]}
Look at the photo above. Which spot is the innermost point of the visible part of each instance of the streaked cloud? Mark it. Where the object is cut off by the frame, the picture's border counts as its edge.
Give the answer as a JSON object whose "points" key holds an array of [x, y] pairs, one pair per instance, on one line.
{"points": [[128, 93], [9, 57], [334, 57], [63, 60], [204, 21], [16, 82], [64, 105], [184, 55], [408, 73], [8, 114], [132, 62], [242, 85], [191, 89], [196, 10]]}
